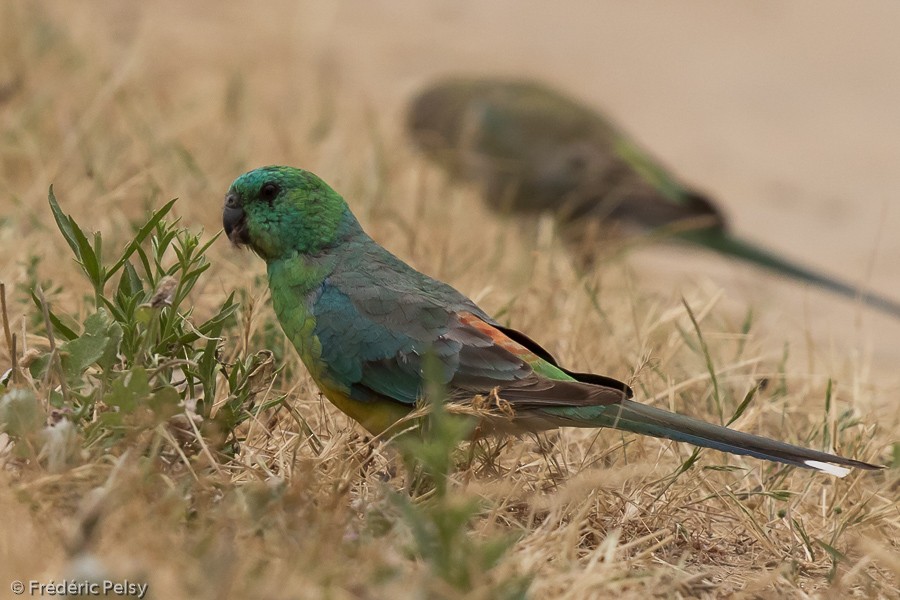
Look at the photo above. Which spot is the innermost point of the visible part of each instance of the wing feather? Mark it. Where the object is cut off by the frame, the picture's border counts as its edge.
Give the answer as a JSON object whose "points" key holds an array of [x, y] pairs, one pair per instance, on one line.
{"points": [[376, 347]]}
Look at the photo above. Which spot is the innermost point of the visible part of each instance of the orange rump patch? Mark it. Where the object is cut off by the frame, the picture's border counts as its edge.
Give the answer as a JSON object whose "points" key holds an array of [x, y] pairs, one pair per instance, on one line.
{"points": [[498, 337]]}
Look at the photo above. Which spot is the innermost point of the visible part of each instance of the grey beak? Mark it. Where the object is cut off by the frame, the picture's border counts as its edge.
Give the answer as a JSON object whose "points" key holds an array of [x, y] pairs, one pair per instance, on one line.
{"points": [[233, 220]]}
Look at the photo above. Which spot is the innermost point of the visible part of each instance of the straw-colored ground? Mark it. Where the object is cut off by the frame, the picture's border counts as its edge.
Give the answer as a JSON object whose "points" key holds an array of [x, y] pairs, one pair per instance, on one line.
{"points": [[122, 106]]}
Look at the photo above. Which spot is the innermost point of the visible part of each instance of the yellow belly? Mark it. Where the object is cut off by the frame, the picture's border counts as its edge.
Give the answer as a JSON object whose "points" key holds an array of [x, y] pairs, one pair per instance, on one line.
{"points": [[376, 416]]}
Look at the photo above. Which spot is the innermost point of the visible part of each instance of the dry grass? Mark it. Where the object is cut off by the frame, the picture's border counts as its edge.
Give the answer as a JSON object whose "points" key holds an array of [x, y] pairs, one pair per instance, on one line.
{"points": [[123, 111]]}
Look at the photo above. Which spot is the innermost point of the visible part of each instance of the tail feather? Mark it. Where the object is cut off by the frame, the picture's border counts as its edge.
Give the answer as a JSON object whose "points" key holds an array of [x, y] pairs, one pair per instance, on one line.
{"points": [[724, 243], [647, 420]]}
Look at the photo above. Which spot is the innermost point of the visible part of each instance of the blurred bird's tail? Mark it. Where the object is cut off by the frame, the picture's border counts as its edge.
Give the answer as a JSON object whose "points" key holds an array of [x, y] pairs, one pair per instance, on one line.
{"points": [[723, 242], [647, 420]]}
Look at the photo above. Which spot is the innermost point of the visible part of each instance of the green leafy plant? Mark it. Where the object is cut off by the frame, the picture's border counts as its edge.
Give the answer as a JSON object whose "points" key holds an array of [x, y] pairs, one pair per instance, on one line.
{"points": [[440, 517], [139, 357]]}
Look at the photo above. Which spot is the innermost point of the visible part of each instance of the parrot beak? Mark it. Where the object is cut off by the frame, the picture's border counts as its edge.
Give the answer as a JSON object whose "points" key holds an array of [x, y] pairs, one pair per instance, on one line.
{"points": [[234, 221]]}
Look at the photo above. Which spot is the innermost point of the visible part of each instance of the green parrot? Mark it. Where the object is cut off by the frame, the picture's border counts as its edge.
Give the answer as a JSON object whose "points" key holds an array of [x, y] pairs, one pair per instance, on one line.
{"points": [[534, 150], [362, 320]]}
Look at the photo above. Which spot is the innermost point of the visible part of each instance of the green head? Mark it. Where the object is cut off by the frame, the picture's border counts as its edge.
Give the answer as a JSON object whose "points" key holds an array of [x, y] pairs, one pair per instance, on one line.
{"points": [[279, 211]]}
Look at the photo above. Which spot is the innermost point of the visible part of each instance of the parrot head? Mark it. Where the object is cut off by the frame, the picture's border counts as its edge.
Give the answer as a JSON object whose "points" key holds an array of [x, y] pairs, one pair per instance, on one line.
{"points": [[437, 118], [280, 211]]}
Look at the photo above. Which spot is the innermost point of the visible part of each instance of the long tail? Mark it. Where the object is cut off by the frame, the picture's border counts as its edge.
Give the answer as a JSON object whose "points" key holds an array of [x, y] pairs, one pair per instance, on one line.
{"points": [[724, 243], [647, 420]]}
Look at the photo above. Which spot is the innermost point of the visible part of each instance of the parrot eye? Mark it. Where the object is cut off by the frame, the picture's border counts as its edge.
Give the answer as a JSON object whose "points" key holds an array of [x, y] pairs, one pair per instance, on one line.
{"points": [[269, 191]]}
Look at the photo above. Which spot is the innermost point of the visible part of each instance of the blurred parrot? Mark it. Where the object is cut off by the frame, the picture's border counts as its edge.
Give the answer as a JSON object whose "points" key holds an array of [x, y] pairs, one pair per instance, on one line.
{"points": [[362, 321], [534, 150]]}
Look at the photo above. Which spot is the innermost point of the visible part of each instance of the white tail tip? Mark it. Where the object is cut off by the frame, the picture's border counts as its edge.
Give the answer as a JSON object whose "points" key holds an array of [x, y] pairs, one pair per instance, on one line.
{"points": [[828, 468]]}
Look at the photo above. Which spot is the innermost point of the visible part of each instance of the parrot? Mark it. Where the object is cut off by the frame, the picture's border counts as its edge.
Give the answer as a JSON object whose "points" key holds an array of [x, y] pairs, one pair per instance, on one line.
{"points": [[533, 150], [363, 321]]}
